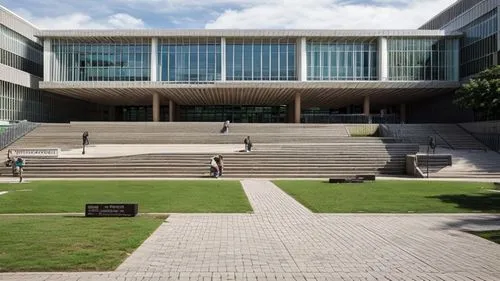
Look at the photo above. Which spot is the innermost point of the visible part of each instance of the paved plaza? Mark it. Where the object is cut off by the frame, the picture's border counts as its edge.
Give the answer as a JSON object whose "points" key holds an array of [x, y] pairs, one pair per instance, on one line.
{"points": [[282, 240]]}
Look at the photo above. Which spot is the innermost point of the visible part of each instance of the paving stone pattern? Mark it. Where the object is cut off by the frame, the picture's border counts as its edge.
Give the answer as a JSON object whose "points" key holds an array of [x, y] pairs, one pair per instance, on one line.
{"points": [[283, 240]]}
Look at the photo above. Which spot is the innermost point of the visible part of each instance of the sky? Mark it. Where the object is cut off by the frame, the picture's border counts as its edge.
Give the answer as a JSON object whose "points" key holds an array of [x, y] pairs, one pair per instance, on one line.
{"points": [[222, 14]]}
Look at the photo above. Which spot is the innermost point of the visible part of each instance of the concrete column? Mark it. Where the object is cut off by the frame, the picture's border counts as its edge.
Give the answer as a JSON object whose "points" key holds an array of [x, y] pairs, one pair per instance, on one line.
{"points": [[156, 107], [223, 59], [47, 51], [402, 113], [154, 59], [297, 110], [301, 59], [366, 105], [383, 62], [171, 110]]}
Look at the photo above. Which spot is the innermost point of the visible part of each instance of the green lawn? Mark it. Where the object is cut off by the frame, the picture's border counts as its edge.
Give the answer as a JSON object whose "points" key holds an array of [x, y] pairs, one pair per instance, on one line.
{"points": [[54, 243], [394, 196], [204, 196], [493, 235]]}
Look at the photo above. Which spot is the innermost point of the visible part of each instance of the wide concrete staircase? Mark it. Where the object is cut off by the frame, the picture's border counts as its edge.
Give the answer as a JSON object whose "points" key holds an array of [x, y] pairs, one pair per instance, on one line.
{"points": [[446, 135], [466, 164], [287, 161], [69, 135], [281, 150]]}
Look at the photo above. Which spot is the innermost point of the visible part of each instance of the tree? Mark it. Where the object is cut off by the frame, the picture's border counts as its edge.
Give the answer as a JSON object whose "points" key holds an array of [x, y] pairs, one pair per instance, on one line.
{"points": [[482, 93]]}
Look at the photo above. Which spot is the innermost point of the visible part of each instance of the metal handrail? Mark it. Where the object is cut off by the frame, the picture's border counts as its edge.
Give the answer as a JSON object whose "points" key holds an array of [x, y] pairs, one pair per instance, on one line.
{"points": [[15, 131]]}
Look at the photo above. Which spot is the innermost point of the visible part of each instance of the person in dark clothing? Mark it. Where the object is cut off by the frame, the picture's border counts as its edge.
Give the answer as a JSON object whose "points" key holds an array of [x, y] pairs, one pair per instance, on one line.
{"points": [[85, 140], [248, 144], [225, 128]]}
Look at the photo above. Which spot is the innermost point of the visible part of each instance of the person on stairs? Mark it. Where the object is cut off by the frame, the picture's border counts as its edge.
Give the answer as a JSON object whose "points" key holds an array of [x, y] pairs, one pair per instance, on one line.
{"points": [[85, 140], [216, 166], [248, 144], [225, 127]]}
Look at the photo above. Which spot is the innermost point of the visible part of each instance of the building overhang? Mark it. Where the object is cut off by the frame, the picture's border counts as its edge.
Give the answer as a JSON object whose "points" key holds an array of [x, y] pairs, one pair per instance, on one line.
{"points": [[332, 94], [149, 33]]}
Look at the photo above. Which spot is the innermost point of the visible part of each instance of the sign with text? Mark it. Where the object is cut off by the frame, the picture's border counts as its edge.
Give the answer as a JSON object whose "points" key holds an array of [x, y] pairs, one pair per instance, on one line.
{"points": [[35, 152], [111, 210]]}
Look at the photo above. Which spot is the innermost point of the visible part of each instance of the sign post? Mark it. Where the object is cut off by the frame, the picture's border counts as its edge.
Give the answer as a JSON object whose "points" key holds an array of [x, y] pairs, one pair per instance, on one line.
{"points": [[111, 210]]}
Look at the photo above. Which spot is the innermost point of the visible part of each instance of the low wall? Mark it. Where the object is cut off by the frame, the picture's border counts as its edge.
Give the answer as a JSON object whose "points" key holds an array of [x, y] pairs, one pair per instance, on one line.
{"points": [[487, 132], [490, 127], [362, 129], [412, 168], [35, 152]]}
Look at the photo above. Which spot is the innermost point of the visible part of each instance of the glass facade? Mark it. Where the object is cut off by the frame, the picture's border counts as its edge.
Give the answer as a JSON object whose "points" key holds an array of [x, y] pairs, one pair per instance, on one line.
{"points": [[140, 113], [235, 114], [260, 59], [117, 61], [19, 52], [189, 60], [479, 44], [340, 60], [413, 59], [22, 103]]}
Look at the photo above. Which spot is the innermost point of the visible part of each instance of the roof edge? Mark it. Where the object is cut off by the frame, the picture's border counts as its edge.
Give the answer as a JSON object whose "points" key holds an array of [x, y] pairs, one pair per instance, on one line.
{"points": [[241, 32]]}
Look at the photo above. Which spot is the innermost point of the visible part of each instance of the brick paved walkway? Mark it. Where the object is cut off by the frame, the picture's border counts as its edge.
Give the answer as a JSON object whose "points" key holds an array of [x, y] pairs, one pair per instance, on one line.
{"points": [[283, 240]]}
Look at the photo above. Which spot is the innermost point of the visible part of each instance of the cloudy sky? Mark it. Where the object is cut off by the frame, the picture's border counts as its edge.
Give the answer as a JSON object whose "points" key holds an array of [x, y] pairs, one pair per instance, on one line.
{"points": [[214, 14]]}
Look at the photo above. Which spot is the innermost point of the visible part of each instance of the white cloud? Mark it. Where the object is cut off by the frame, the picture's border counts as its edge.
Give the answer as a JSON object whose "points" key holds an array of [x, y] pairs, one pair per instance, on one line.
{"points": [[80, 20], [125, 21], [328, 14]]}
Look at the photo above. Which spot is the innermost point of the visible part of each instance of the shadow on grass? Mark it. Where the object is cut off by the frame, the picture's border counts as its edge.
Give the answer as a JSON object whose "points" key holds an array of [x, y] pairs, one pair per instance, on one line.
{"points": [[493, 235], [487, 202]]}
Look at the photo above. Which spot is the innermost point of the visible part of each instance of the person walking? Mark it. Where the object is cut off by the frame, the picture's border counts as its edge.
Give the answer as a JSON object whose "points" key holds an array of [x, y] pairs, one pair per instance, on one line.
{"points": [[248, 144], [85, 140], [19, 166]]}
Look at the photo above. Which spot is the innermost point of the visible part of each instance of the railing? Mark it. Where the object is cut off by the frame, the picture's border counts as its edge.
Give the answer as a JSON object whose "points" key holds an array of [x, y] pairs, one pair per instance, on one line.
{"points": [[349, 118], [396, 134], [15, 131], [491, 140]]}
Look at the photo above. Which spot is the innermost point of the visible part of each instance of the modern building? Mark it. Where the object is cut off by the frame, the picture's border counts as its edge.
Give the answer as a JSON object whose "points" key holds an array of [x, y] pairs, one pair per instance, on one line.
{"points": [[21, 70], [256, 75]]}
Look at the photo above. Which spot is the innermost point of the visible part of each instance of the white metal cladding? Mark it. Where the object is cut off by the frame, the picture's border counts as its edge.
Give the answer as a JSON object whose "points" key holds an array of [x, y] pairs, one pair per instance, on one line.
{"points": [[17, 44], [18, 77], [471, 15], [383, 61], [95, 34], [18, 24], [251, 84]]}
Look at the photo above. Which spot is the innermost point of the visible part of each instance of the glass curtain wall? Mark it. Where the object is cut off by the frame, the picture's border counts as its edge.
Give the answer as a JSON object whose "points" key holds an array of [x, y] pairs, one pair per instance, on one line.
{"points": [[19, 52], [479, 44], [114, 61], [412, 59], [189, 60], [235, 114], [261, 59], [341, 60]]}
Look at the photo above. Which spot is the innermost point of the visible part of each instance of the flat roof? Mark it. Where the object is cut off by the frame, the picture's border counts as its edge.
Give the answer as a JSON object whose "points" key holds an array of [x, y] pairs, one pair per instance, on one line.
{"points": [[95, 33]]}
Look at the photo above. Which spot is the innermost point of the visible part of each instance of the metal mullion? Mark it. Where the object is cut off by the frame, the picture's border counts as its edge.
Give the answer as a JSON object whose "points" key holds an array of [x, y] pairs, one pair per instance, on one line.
{"points": [[253, 44], [198, 62], [286, 59], [206, 60], [279, 60], [270, 56]]}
